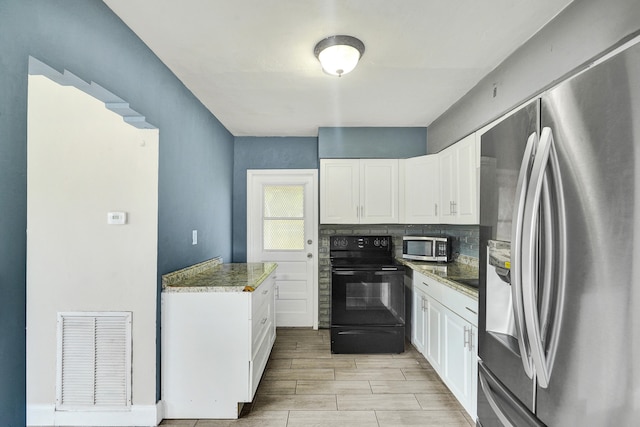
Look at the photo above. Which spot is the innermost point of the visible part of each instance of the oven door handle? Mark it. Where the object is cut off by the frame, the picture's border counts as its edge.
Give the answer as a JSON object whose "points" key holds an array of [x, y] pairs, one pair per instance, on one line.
{"points": [[345, 272], [389, 272]]}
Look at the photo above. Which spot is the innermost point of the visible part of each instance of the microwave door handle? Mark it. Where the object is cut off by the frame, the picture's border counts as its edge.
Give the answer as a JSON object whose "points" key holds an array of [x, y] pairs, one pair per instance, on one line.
{"points": [[516, 249]]}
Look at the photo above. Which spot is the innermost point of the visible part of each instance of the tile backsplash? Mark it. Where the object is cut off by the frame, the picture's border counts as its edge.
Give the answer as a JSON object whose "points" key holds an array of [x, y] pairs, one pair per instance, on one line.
{"points": [[465, 242]]}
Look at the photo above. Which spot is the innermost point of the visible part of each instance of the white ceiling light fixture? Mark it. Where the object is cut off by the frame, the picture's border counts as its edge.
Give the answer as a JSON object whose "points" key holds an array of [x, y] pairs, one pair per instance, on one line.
{"points": [[339, 54]]}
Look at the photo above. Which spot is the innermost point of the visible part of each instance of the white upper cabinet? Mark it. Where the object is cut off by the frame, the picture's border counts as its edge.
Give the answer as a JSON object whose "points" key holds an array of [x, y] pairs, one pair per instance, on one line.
{"points": [[459, 165], [339, 191], [359, 191], [420, 194]]}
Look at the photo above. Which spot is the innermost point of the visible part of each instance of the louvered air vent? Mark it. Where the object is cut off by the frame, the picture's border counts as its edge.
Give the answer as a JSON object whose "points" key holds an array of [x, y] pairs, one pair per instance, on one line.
{"points": [[94, 361]]}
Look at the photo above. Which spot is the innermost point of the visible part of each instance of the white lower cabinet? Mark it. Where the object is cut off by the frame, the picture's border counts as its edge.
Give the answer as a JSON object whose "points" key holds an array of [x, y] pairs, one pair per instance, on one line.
{"points": [[215, 347], [459, 370], [434, 350], [419, 319], [445, 332]]}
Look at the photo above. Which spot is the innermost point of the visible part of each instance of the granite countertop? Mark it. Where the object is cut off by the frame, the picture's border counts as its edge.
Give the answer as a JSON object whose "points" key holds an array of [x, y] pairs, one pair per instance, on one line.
{"points": [[451, 274], [214, 276]]}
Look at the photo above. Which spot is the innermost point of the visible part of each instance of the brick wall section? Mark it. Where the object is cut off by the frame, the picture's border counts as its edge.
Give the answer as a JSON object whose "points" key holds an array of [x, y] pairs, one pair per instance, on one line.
{"points": [[465, 242]]}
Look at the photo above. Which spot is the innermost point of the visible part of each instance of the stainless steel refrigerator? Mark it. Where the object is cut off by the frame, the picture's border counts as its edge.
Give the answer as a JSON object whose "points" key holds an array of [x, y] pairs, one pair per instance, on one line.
{"points": [[559, 325]]}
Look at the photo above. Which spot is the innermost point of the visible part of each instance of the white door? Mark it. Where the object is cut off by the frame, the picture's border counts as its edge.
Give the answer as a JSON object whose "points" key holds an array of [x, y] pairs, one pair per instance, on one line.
{"points": [[282, 227]]}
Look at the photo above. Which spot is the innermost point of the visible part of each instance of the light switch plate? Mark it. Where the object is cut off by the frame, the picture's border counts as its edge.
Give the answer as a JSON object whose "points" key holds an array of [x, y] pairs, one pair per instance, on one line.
{"points": [[116, 218]]}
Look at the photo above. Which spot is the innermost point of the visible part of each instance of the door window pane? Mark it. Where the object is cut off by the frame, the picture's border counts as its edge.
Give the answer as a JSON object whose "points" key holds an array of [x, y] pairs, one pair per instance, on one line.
{"points": [[283, 220]]}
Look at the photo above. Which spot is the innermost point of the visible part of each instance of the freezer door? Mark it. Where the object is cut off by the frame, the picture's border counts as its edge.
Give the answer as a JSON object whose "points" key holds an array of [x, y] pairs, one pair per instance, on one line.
{"points": [[595, 120], [497, 406]]}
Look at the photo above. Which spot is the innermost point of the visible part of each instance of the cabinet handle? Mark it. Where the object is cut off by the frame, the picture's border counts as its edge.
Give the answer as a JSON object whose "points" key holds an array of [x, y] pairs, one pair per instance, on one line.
{"points": [[264, 321], [266, 291], [474, 312], [466, 339], [277, 292], [471, 339], [425, 283], [436, 209]]}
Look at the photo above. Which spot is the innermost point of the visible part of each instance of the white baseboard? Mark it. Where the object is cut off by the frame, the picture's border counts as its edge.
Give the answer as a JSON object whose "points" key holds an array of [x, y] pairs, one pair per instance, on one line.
{"points": [[138, 415]]}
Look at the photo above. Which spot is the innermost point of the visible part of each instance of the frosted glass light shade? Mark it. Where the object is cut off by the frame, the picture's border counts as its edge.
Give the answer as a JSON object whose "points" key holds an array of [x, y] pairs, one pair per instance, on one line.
{"points": [[339, 55]]}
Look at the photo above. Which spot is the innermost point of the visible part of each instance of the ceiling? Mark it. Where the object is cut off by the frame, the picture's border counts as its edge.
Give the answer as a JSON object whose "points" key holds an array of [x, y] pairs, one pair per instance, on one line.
{"points": [[251, 62]]}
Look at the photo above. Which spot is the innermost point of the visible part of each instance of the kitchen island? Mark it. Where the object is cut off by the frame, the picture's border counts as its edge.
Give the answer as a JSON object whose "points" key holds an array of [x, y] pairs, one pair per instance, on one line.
{"points": [[218, 329]]}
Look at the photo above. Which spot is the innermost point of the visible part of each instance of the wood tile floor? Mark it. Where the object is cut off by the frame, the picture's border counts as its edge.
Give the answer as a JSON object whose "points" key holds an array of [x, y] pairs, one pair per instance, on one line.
{"points": [[305, 385]]}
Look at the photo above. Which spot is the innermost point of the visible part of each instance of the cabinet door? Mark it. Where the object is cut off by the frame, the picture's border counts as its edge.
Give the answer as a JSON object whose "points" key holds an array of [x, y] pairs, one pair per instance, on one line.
{"points": [[457, 361], [472, 409], [379, 191], [418, 320], [421, 190], [466, 207], [434, 348], [339, 191], [448, 184]]}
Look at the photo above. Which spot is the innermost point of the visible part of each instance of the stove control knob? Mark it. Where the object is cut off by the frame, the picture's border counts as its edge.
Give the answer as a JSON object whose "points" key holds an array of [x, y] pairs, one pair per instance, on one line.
{"points": [[376, 242]]}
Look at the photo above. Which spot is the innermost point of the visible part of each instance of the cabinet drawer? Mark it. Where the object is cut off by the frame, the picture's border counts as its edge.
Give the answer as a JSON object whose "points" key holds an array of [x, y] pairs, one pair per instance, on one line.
{"points": [[262, 318], [259, 363], [462, 305], [429, 286], [261, 296]]}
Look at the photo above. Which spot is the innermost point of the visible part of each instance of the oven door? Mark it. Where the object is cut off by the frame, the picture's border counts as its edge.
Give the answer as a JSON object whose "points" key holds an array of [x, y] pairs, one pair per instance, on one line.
{"points": [[367, 297]]}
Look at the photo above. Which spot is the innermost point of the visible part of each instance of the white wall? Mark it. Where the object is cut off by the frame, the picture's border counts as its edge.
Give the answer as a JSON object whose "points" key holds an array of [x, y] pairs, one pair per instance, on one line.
{"points": [[84, 161]]}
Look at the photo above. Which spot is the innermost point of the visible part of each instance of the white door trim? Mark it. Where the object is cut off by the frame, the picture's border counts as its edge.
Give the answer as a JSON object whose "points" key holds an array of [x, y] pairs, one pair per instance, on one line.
{"points": [[313, 213]]}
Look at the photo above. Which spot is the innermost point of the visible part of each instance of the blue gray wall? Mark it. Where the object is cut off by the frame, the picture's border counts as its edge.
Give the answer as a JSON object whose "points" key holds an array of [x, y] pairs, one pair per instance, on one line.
{"points": [[196, 151], [371, 142], [264, 153], [579, 33]]}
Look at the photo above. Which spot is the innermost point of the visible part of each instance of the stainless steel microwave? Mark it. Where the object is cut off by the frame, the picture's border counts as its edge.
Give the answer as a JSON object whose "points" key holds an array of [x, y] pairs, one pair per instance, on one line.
{"points": [[422, 248]]}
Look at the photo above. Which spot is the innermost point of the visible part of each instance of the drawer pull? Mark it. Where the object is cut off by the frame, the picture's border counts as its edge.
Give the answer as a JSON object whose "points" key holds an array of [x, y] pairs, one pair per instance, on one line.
{"points": [[474, 312], [425, 283]]}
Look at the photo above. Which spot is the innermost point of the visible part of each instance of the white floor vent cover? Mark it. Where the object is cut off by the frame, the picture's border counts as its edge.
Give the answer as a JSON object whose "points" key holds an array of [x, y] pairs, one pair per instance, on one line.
{"points": [[94, 361]]}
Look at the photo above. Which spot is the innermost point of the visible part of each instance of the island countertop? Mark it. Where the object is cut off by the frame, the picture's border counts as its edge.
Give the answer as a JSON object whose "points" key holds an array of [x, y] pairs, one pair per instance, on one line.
{"points": [[214, 276]]}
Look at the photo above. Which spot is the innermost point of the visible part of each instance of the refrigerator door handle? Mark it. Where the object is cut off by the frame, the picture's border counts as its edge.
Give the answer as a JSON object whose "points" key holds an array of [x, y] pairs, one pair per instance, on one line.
{"points": [[555, 259], [488, 393], [493, 388], [516, 253], [539, 189]]}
